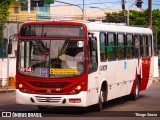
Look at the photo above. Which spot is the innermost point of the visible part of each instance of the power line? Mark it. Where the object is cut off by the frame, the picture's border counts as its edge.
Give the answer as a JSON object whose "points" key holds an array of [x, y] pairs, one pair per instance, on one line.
{"points": [[98, 3], [156, 1], [155, 4], [110, 9]]}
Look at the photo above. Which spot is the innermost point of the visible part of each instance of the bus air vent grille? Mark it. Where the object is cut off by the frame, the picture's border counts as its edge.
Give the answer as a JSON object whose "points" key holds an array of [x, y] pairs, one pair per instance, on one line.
{"points": [[48, 99]]}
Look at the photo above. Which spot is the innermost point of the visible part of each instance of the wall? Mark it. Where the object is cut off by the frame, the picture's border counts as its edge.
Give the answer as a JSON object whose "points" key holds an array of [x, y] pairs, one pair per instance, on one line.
{"points": [[4, 71]]}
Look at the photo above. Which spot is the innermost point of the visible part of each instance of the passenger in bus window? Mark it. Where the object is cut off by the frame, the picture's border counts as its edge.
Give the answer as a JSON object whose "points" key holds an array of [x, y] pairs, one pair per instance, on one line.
{"points": [[137, 46], [111, 48], [144, 46], [129, 46], [120, 50], [103, 53]]}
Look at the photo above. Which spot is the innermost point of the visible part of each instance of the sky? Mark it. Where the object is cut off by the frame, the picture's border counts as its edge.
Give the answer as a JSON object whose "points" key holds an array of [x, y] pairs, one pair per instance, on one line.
{"points": [[110, 4]]}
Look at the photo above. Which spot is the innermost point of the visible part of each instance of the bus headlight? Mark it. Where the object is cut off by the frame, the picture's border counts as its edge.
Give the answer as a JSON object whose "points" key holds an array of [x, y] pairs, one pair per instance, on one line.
{"points": [[22, 88], [78, 88]]}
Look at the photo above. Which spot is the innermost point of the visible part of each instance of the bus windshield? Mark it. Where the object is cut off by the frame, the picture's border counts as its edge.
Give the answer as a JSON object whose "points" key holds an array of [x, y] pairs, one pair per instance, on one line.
{"points": [[52, 58]]}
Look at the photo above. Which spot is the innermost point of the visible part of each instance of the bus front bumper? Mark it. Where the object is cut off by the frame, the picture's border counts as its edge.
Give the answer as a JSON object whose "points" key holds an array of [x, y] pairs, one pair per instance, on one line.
{"points": [[77, 100]]}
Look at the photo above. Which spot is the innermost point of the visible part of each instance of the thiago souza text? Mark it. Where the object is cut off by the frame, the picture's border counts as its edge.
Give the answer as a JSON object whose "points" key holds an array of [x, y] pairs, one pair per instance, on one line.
{"points": [[146, 114]]}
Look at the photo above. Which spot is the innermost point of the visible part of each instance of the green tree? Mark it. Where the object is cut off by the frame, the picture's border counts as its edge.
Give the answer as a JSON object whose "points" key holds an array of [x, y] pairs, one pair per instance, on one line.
{"points": [[138, 18], [114, 17], [4, 13]]}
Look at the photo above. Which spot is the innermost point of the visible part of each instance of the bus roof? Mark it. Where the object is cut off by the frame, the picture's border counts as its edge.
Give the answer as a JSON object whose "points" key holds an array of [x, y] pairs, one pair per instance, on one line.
{"points": [[106, 27], [99, 26]]}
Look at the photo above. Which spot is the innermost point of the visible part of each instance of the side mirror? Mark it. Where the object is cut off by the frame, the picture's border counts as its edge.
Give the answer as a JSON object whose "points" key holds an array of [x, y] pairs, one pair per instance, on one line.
{"points": [[10, 47], [11, 38]]}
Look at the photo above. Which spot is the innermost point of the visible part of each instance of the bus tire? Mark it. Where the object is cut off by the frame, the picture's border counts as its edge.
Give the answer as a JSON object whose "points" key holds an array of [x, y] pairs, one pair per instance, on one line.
{"points": [[135, 95], [99, 106]]}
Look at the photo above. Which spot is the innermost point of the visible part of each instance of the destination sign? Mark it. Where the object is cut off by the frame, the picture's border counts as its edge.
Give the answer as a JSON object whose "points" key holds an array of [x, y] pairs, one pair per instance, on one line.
{"points": [[52, 30]]}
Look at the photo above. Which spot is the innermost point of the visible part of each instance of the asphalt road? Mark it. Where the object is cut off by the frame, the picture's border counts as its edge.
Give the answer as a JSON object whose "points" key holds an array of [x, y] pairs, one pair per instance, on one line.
{"points": [[148, 104]]}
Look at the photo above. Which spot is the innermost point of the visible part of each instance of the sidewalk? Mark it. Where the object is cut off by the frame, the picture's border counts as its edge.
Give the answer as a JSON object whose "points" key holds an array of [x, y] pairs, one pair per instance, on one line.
{"points": [[7, 85]]}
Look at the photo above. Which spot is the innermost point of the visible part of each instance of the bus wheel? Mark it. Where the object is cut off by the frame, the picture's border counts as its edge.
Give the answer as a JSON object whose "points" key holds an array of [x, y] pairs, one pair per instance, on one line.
{"points": [[99, 106], [135, 95]]}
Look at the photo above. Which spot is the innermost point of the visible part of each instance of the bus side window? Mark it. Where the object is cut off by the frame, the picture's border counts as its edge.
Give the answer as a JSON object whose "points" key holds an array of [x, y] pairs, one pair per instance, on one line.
{"points": [[144, 46], [129, 46], [120, 47], [150, 45], [93, 59], [103, 43], [137, 46], [111, 46]]}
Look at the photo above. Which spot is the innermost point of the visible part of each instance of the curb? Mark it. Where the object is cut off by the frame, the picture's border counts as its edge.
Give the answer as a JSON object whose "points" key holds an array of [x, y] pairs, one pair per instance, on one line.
{"points": [[7, 89], [157, 79]]}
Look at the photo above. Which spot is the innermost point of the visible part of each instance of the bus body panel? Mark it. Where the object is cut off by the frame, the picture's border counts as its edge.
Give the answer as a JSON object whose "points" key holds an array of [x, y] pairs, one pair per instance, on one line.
{"points": [[145, 73], [93, 88], [120, 77], [50, 100], [151, 72], [119, 82]]}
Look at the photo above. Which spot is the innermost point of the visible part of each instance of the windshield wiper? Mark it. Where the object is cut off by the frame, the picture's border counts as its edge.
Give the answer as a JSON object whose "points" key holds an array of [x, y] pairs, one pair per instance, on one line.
{"points": [[63, 48], [42, 50]]}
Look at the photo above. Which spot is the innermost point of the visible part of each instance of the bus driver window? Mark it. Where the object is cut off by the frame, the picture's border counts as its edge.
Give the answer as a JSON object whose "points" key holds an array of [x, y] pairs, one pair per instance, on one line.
{"points": [[93, 60]]}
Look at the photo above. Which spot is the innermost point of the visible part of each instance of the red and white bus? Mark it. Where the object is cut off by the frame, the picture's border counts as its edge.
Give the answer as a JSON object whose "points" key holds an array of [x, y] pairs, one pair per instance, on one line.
{"points": [[79, 64]]}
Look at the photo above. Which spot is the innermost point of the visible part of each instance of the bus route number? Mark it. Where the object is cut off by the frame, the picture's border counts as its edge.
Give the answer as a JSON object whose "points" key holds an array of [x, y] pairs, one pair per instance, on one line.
{"points": [[26, 69]]}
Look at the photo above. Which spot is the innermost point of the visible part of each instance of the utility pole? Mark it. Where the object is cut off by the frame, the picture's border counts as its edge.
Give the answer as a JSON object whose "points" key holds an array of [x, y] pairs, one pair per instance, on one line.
{"points": [[124, 12], [123, 5], [29, 9], [150, 13], [83, 11]]}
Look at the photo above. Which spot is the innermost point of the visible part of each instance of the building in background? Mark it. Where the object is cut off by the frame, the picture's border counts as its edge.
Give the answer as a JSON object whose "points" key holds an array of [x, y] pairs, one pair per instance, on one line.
{"points": [[74, 13], [43, 13], [19, 10]]}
